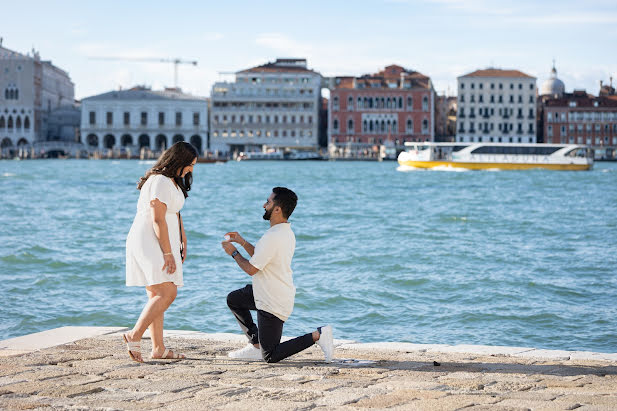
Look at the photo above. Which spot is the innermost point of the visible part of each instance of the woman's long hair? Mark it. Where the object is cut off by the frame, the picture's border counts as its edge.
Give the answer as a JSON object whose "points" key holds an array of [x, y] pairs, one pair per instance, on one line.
{"points": [[174, 159]]}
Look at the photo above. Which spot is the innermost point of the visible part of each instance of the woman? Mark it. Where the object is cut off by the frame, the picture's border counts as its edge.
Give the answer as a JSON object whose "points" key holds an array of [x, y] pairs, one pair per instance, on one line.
{"points": [[156, 244]]}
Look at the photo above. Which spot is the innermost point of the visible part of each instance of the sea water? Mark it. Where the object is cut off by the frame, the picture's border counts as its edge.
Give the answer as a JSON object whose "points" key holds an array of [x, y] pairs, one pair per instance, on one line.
{"points": [[518, 258]]}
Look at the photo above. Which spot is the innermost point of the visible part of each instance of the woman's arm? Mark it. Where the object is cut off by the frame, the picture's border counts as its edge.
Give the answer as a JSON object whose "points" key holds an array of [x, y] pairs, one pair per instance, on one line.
{"points": [[158, 210], [184, 240]]}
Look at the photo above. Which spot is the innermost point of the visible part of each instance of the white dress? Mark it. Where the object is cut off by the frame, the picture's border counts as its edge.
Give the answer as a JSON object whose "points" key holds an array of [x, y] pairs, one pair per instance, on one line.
{"points": [[144, 257]]}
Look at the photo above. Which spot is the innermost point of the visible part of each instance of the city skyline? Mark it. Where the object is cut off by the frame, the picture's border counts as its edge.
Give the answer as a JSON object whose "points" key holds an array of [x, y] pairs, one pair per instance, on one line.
{"points": [[442, 39]]}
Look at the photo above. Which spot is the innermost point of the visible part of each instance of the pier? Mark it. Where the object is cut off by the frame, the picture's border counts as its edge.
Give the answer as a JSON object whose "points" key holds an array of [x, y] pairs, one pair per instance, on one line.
{"points": [[88, 367]]}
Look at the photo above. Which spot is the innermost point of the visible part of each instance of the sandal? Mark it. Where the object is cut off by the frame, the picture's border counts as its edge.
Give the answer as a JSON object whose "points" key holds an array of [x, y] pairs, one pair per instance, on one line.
{"points": [[132, 347], [174, 356]]}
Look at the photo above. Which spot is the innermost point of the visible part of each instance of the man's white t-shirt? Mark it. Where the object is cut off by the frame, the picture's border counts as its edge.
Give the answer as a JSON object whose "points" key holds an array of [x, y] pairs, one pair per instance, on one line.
{"points": [[273, 286]]}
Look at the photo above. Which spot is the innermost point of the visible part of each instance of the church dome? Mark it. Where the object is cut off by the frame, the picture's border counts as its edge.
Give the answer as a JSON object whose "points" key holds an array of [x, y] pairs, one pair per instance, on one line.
{"points": [[553, 86]]}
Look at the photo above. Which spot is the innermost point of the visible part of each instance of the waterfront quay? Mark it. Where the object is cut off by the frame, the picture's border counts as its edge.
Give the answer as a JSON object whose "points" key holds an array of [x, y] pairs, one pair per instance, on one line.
{"points": [[88, 367]]}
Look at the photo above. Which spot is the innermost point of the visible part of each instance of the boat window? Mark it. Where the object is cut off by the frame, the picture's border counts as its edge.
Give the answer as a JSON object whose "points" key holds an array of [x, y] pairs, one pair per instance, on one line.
{"points": [[516, 150], [579, 152]]}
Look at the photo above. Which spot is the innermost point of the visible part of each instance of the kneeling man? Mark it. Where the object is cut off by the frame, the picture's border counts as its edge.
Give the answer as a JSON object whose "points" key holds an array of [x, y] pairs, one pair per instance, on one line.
{"points": [[272, 292]]}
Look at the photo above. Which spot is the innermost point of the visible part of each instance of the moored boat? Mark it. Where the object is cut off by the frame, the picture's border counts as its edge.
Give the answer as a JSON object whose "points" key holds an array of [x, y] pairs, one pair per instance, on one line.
{"points": [[503, 156]]}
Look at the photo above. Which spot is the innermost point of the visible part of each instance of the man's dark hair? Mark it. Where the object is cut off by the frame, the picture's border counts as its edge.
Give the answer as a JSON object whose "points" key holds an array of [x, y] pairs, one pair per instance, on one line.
{"points": [[286, 199]]}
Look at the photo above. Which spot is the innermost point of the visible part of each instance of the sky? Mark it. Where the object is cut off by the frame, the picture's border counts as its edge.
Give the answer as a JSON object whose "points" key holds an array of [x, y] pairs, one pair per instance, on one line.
{"points": [[442, 39]]}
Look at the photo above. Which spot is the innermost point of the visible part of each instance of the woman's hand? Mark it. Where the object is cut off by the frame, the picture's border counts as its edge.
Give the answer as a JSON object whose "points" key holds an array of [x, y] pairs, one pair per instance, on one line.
{"points": [[170, 263], [235, 237], [184, 250]]}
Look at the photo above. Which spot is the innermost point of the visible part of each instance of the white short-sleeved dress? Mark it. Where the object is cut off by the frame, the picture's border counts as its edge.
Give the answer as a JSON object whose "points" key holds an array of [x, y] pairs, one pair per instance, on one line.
{"points": [[144, 256]]}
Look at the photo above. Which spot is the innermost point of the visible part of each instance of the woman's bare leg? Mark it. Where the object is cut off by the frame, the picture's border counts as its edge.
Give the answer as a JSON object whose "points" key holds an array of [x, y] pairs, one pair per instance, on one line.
{"points": [[160, 298]]}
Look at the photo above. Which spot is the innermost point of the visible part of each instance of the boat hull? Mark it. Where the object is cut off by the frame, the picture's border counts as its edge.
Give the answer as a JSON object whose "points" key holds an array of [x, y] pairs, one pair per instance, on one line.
{"points": [[499, 166]]}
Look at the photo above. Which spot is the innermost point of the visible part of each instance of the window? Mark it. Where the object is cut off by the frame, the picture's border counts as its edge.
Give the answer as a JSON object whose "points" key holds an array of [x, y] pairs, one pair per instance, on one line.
{"points": [[335, 124], [109, 118], [350, 126], [161, 119], [178, 118], [335, 104], [144, 118], [92, 117], [410, 126], [425, 103], [410, 103], [127, 118], [520, 86], [350, 103], [425, 126], [196, 119]]}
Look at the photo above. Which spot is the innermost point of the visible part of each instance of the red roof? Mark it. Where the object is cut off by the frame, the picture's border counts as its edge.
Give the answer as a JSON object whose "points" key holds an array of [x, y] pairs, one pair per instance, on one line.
{"points": [[493, 72], [390, 74]]}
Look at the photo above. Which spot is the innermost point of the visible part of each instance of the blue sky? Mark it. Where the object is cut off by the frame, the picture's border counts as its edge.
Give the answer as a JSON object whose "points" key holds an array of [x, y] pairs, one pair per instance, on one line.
{"points": [[440, 38]]}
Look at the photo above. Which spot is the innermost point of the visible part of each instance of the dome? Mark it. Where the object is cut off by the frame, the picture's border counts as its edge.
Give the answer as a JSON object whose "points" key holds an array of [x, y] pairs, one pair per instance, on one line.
{"points": [[553, 86]]}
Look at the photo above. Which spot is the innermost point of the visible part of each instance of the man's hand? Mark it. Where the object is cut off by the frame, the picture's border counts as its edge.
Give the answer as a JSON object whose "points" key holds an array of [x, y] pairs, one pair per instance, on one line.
{"points": [[235, 237], [228, 247]]}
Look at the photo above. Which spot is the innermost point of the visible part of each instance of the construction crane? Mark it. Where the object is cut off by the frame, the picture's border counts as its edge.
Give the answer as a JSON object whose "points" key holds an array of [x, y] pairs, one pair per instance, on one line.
{"points": [[175, 61]]}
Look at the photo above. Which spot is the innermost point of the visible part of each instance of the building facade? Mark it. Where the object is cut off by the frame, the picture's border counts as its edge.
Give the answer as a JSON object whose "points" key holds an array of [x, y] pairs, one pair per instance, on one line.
{"points": [[30, 89], [445, 118], [274, 105], [580, 118], [497, 106], [140, 117], [394, 105]]}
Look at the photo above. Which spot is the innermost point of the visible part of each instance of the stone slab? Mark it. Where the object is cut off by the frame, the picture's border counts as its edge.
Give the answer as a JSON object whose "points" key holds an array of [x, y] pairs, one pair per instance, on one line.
{"points": [[52, 338]]}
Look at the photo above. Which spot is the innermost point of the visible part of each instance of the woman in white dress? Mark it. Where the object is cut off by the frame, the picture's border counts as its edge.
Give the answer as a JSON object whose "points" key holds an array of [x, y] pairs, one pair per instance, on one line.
{"points": [[156, 244]]}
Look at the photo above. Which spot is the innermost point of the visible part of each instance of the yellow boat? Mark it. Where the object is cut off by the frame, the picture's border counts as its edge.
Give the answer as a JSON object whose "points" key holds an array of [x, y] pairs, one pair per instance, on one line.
{"points": [[502, 156]]}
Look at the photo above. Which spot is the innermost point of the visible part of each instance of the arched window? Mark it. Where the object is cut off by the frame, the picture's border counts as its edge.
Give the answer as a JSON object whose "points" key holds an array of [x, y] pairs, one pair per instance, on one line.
{"points": [[349, 103], [197, 142], [27, 123], [409, 126], [359, 102], [388, 102], [92, 140], [383, 102], [126, 140], [178, 137], [400, 102], [109, 141], [394, 127], [2, 122], [335, 103], [6, 94], [144, 141], [16, 94], [364, 126], [383, 126], [160, 142], [6, 142], [335, 124], [10, 123], [350, 126], [18, 122], [370, 126], [424, 125]]}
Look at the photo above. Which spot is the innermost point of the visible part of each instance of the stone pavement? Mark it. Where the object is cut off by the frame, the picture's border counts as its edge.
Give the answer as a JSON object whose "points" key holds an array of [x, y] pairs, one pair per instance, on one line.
{"points": [[97, 373]]}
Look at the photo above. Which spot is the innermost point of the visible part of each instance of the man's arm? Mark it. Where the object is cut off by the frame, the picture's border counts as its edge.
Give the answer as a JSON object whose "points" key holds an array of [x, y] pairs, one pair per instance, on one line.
{"points": [[243, 263], [235, 237]]}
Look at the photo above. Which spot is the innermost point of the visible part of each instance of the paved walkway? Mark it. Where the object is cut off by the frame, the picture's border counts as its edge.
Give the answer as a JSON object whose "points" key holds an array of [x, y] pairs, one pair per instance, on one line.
{"points": [[96, 373]]}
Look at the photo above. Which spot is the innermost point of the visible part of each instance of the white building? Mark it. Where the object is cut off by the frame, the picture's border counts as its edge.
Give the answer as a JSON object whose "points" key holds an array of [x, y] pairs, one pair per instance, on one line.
{"points": [[273, 105], [30, 89], [140, 117], [497, 106]]}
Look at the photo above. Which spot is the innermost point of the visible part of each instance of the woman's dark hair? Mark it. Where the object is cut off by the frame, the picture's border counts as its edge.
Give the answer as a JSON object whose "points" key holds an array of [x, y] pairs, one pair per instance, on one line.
{"points": [[174, 159], [286, 199]]}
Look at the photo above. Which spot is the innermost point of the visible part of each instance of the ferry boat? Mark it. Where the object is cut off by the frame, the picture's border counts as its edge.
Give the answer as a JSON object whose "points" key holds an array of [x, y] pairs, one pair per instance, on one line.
{"points": [[503, 156]]}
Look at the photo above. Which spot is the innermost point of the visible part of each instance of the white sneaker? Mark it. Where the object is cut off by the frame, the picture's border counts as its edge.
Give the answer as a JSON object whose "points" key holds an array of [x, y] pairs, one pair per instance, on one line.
{"points": [[247, 353], [326, 342]]}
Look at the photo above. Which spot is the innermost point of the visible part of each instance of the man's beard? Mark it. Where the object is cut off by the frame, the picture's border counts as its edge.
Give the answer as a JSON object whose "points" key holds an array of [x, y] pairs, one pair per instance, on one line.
{"points": [[267, 214]]}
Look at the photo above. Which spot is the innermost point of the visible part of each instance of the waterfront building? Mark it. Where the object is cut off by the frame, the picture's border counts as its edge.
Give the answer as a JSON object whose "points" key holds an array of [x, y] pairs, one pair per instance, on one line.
{"points": [[445, 118], [581, 118], [274, 105], [140, 117], [394, 105], [496, 105], [30, 90]]}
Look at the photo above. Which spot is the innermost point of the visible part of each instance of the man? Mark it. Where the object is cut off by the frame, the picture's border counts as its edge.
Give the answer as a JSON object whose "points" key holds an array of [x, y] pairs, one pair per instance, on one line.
{"points": [[272, 292]]}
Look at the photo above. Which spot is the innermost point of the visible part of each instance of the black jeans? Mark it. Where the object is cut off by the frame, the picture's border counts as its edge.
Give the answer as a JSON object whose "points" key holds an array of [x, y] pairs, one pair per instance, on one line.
{"points": [[269, 330]]}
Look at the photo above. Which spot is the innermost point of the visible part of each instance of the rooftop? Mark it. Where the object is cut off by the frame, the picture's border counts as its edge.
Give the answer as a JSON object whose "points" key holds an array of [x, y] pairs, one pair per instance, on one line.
{"points": [[392, 76], [281, 65], [494, 72], [144, 93]]}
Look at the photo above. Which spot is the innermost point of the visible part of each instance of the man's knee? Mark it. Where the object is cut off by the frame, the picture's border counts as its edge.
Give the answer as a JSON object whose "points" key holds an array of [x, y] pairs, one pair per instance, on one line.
{"points": [[267, 355], [231, 299]]}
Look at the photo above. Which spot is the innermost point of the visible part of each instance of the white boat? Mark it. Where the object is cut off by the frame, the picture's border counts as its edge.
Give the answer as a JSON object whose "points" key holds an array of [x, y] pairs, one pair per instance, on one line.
{"points": [[504, 156], [259, 155]]}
